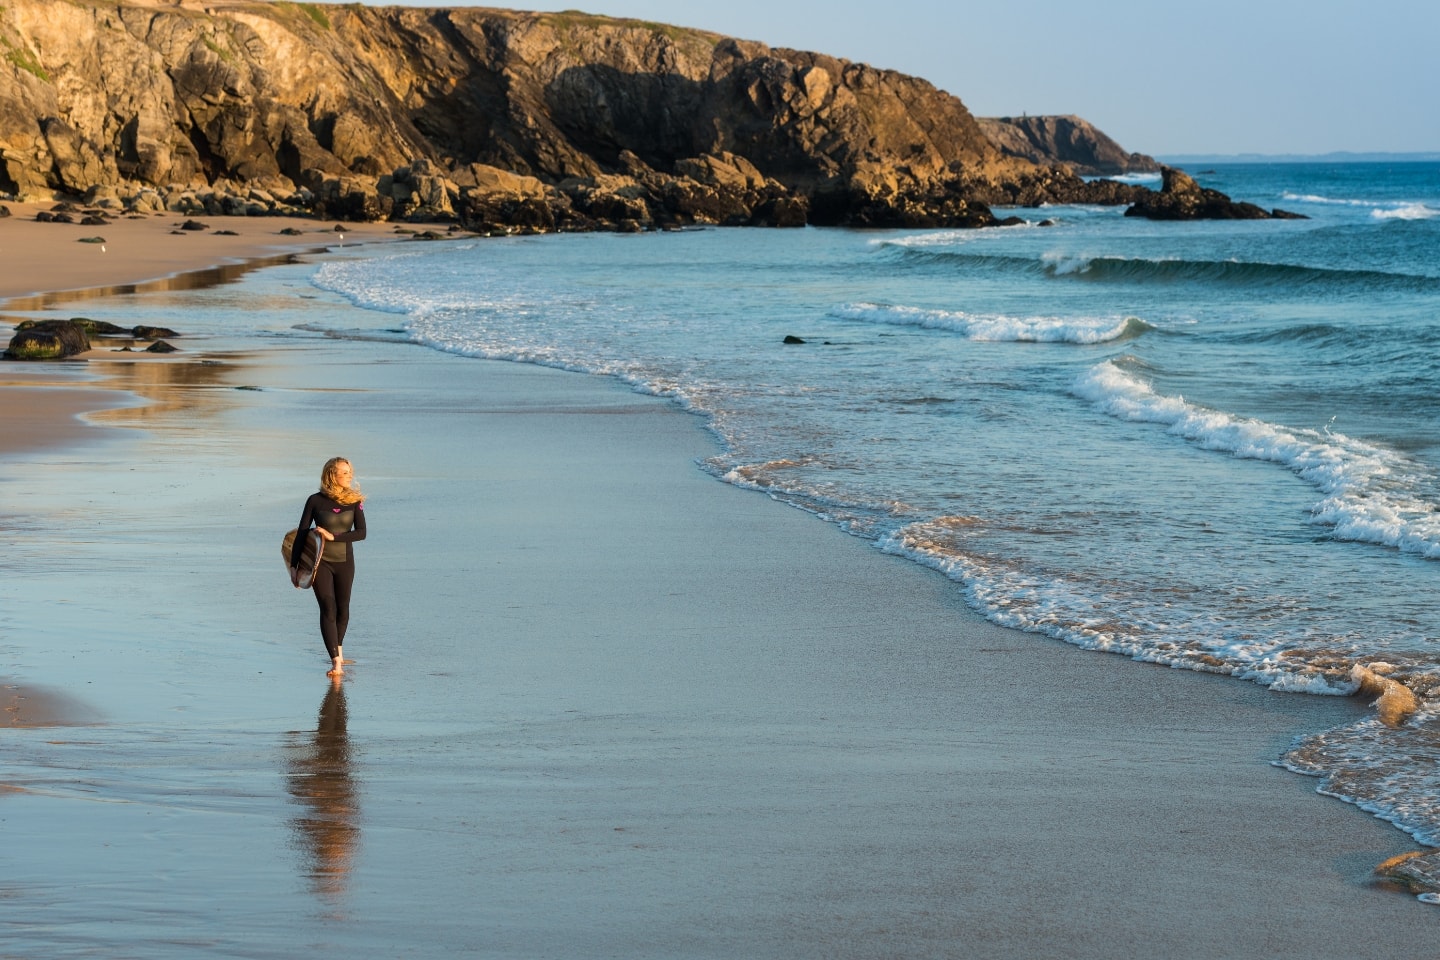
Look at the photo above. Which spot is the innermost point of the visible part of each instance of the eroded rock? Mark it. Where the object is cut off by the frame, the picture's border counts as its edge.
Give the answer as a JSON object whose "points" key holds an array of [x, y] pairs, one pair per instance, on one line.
{"points": [[1181, 198], [47, 340]]}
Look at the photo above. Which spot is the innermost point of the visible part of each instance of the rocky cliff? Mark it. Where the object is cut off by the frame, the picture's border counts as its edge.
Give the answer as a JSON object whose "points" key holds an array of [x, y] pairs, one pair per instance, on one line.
{"points": [[497, 119], [1069, 140]]}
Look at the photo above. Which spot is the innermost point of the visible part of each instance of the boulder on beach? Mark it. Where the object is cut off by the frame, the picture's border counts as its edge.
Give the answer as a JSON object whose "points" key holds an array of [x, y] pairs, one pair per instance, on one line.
{"points": [[48, 340], [92, 328]]}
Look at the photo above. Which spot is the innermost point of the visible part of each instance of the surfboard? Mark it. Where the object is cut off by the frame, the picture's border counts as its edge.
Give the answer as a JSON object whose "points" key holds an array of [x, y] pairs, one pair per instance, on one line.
{"points": [[304, 575]]}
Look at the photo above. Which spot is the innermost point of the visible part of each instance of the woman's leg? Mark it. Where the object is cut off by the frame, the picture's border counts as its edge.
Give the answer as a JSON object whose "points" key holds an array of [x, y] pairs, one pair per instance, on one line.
{"points": [[325, 589], [344, 582]]}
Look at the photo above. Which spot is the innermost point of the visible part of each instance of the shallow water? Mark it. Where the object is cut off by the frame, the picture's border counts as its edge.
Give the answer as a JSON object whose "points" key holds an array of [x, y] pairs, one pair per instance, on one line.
{"points": [[1211, 445]]}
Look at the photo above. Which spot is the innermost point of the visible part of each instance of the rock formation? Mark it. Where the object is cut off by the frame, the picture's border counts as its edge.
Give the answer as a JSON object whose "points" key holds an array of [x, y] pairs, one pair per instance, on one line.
{"points": [[47, 340], [1181, 198], [1068, 140], [493, 119]]}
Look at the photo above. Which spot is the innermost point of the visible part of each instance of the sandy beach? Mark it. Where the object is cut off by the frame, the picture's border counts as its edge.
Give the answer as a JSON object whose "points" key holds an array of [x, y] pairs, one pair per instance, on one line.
{"points": [[603, 705]]}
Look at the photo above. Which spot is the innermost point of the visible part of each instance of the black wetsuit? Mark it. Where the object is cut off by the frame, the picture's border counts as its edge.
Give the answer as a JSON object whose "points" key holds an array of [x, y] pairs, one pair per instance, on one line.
{"points": [[346, 522]]}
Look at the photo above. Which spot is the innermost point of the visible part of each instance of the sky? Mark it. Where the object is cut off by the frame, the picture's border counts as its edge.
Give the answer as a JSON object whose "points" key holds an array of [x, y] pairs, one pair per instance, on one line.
{"points": [[1163, 78]]}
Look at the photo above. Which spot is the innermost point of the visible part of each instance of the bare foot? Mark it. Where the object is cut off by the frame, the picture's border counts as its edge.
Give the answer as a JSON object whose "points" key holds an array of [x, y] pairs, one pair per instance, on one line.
{"points": [[336, 669]]}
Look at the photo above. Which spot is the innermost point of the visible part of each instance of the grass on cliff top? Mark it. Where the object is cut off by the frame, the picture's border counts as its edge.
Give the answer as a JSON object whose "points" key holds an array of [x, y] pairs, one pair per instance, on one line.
{"points": [[310, 10], [570, 19]]}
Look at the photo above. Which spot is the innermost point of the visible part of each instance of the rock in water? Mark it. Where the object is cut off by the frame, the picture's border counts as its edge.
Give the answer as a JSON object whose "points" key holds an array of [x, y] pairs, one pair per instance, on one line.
{"points": [[48, 340], [1181, 198]]}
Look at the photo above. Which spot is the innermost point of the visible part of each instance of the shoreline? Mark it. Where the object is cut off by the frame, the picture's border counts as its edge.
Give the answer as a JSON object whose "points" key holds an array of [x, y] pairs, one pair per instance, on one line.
{"points": [[151, 248], [1020, 798], [141, 255]]}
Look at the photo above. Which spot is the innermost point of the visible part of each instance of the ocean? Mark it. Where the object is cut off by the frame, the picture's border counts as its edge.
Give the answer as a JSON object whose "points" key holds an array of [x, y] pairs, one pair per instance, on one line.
{"points": [[1211, 445], [1208, 445]]}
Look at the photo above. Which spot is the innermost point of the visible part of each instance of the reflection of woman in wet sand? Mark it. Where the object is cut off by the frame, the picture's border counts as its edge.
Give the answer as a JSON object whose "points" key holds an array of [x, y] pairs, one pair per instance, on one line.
{"points": [[338, 512], [319, 777]]}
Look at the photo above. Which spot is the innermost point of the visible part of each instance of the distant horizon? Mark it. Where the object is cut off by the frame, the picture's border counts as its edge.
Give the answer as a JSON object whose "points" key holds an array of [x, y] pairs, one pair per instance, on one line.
{"points": [[1334, 156]]}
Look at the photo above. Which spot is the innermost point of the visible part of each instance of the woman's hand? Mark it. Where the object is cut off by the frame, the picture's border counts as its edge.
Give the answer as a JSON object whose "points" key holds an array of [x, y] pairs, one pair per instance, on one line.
{"points": [[325, 533]]}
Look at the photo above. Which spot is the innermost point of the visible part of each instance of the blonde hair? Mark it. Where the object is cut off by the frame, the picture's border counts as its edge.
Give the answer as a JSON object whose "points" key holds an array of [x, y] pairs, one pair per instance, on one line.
{"points": [[331, 487]]}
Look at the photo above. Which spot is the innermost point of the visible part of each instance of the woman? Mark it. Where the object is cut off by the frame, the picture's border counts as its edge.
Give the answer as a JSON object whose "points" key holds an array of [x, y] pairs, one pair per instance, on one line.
{"points": [[338, 513]]}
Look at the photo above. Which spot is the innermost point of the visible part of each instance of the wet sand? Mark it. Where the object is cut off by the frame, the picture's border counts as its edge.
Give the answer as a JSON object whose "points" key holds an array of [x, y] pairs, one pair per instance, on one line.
{"points": [[603, 705], [54, 258]]}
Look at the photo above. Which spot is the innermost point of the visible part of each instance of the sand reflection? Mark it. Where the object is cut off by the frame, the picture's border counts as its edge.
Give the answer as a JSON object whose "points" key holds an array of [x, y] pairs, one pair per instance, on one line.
{"points": [[318, 776], [198, 388], [189, 280], [30, 706]]}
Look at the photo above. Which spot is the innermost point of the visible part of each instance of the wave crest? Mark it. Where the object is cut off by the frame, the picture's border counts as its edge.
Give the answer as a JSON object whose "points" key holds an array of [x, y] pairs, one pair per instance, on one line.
{"points": [[997, 327], [1409, 211], [1370, 493], [1146, 270]]}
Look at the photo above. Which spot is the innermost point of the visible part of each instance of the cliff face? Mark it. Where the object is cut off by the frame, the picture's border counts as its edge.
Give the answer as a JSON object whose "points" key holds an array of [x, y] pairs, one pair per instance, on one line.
{"points": [[1064, 140], [486, 115]]}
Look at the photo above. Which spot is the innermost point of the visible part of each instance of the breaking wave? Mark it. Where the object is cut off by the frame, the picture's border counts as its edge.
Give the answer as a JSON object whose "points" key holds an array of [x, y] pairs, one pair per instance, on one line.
{"points": [[1397, 210], [1144, 270], [998, 328], [1409, 211], [1370, 494]]}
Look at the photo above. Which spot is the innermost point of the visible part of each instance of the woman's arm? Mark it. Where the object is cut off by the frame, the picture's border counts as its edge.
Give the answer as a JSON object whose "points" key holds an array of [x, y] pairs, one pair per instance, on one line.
{"points": [[307, 519], [357, 527]]}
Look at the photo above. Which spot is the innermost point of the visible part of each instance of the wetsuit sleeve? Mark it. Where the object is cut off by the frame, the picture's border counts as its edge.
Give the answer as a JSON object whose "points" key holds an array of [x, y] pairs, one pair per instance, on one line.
{"points": [[356, 533], [307, 520]]}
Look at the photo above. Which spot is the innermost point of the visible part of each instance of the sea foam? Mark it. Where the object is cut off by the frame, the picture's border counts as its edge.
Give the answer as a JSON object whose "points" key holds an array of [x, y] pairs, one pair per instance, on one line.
{"points": [[1409, 211], [1371, 493], [996, 327], [1398, 210]]}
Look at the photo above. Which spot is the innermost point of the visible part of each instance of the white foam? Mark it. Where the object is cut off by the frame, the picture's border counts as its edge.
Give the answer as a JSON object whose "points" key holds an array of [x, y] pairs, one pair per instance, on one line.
{"points": [[997, 327], [939, 238], [1409, 211], [1132, 178], [1312, 683], [1105, 617], [1317, 198], [1370, 492], [1397, 210], [1065, 264]]}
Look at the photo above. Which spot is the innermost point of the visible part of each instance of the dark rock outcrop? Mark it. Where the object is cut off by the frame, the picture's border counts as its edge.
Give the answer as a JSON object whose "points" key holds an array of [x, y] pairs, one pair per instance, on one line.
{"points": [[93, 328], [47, 340], [1067, 140], [1181, 198]]}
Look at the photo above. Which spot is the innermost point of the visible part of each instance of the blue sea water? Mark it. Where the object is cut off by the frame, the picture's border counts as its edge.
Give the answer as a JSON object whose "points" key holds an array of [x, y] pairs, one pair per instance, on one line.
{"points": [[1211, 445]]}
